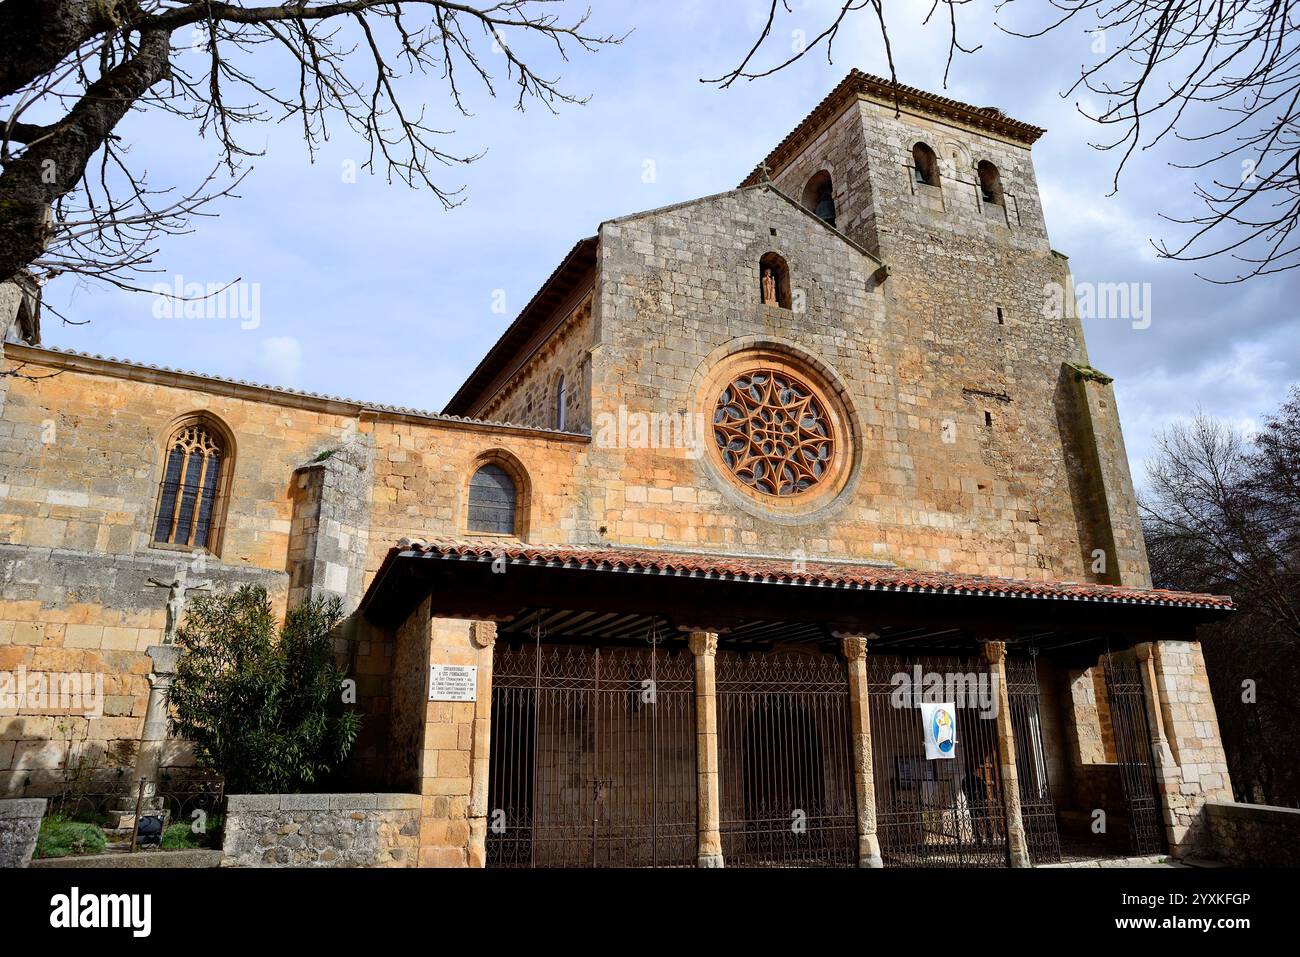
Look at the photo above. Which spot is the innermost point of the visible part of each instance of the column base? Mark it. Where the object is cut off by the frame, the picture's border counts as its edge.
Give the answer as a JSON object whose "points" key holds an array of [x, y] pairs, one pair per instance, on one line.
{"points": [[869, 851], [710, 861], [1021, 859]]}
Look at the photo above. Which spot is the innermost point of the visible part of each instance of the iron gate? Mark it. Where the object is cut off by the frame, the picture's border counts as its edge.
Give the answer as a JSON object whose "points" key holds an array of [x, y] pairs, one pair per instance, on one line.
{"points": [[593, 757], [1037, 809], [1128, 717], [934, 813], [785, 760]]}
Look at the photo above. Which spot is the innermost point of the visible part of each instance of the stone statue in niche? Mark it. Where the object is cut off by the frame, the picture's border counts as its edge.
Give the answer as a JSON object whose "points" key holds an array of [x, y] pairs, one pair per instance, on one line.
{"points": [[769, 288]]}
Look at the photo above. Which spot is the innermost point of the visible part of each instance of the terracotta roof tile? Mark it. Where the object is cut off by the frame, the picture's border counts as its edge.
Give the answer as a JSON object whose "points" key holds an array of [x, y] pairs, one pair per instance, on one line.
{"points": [[815, 574]]}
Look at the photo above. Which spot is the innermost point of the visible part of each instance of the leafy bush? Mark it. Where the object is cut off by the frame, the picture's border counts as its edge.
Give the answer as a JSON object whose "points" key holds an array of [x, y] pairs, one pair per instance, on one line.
{"points": [[264, 710], [60, 837]]}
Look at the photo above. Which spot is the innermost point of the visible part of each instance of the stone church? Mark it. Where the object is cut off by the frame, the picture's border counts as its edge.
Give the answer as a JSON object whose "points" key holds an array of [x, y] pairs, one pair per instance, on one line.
{"points": [[753, 488]]}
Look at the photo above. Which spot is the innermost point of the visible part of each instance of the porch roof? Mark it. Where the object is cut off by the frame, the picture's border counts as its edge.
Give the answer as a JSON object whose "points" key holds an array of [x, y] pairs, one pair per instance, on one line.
{"points": [[840, 577]]}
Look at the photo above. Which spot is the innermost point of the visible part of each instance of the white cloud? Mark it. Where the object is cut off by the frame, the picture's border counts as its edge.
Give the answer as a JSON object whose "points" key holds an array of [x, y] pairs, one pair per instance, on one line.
{"points": [[281, 359]]}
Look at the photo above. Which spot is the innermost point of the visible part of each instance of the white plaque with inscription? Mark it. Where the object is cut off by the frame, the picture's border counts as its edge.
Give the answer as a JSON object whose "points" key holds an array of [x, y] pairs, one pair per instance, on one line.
{"points": [[453, 682]]}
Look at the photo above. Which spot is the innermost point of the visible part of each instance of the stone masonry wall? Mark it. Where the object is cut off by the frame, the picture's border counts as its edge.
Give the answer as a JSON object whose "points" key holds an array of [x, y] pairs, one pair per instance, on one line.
{"points": [[530, 398], [20, 823], [320, 492], [321, 830], [1192, 730], [1252, 835], [920, 365], [975, 351]]}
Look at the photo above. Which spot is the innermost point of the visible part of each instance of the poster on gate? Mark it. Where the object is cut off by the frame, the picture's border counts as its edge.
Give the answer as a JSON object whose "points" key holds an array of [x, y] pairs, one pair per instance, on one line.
{"points": [[940, 721]]}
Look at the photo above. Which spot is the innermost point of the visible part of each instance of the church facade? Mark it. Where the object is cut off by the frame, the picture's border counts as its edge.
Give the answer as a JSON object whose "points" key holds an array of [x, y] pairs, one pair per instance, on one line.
{"points": [[789, 525]]}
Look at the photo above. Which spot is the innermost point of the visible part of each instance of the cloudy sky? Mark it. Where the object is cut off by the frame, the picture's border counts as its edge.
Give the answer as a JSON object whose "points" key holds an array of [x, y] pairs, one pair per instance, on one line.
{"points": [[373, 291]]}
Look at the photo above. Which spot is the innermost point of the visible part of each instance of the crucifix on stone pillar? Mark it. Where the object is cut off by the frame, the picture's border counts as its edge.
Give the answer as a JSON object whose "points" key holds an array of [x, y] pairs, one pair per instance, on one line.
{"points": [[177, 589]]}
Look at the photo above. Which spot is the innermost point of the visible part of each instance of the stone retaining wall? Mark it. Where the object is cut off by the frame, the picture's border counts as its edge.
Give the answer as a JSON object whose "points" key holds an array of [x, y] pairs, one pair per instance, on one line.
{"points": [[322, 830], [1253, 835], [20, 822]]}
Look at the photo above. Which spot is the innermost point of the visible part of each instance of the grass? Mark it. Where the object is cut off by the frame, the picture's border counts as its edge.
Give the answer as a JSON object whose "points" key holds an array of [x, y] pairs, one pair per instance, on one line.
{"points": [[179, 836], [60, 837]]}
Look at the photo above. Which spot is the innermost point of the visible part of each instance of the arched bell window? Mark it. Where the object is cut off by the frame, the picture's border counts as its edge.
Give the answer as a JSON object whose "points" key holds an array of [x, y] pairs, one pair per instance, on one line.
{"points": [[925, 164], [990, 183], [493, 499], [191, 496], [819, 196]]}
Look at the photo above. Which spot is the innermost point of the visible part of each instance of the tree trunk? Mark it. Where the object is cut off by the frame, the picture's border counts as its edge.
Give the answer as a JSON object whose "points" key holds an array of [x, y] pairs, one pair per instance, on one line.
{"points": [[52, 167]]}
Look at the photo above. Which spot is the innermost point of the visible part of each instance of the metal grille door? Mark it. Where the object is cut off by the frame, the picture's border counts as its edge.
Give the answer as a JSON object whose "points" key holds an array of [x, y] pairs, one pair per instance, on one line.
{"points": [[593, 757], [785, 761], [934, 813], [1128, 716], [1037, 809]]}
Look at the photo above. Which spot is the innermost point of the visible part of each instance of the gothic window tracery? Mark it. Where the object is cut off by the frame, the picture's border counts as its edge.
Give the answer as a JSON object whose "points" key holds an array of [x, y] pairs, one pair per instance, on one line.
{"points": [[189, 498], [773, 432]]}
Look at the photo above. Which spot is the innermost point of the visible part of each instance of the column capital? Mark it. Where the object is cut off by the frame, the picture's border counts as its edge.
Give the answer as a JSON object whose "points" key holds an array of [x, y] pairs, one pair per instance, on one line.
{"points": [[1144, 651], [164, 659], [483, 633], [853, 647], [703, 643], [994, 651]]}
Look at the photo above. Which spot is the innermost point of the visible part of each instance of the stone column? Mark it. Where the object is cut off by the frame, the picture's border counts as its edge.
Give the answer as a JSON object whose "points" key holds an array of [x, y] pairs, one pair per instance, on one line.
{"points": [[153, 738], [451, 738], [864, 781], [484, 636], [165, 659], [704, 645], [995, 652]]}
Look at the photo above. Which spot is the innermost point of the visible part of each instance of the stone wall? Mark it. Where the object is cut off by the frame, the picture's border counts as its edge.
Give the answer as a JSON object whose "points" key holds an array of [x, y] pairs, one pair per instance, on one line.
{"points": [[1252, 835], [20, 823], [321, 830], [530, 396], [321, 489], [329, 539], [1199, 770], [976, 356]]}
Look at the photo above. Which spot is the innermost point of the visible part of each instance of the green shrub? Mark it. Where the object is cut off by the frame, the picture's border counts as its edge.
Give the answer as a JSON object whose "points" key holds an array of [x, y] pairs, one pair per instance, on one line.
{"points": [[265, 711], [60, 837], [179, 837]]}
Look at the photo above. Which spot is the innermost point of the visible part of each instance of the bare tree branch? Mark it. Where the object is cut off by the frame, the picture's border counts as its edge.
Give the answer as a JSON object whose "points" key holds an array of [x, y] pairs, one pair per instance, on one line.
{"points": [[70, 200], [1224, 76]]}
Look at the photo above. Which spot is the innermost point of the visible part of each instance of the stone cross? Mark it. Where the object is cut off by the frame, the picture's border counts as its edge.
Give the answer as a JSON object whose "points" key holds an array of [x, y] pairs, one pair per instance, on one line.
{"points": [[176, 592]]}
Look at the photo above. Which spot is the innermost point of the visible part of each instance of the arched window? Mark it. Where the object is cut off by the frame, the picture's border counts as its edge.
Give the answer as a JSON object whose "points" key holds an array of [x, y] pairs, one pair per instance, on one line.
{"points": [[492, 498], [819, 196], [990, 183], [925, 164], [561, 405], [191, 498], [774, 281]]}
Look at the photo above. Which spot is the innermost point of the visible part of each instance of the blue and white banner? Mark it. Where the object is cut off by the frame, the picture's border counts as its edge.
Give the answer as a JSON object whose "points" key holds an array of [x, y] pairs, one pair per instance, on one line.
{"points": [[940, 721]]}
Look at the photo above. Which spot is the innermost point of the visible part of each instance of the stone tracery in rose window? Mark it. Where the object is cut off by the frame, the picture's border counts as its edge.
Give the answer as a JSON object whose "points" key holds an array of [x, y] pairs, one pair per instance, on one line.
{"points": [[773, 433]]}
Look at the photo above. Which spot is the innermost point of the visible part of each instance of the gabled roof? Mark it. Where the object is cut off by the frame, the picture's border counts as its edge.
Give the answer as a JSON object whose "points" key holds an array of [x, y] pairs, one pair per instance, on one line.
{"points": [[766, 187], [561, 284], [852, 576], [885, 91]]}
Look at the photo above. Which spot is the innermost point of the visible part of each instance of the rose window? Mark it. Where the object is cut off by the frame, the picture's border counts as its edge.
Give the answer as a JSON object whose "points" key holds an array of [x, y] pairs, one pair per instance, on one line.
{"points": [[773, 433]]}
